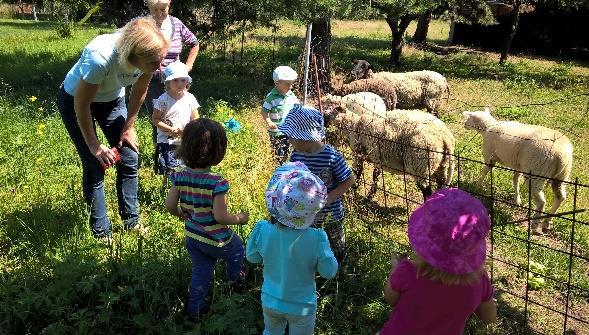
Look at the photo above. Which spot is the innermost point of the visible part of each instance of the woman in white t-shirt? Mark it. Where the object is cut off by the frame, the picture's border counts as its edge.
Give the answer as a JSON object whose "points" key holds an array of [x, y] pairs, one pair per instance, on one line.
{"points": [[171, 112]]}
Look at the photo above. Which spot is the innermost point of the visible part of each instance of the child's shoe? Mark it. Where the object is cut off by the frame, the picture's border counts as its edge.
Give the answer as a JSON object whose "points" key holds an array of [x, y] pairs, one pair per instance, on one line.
{"points": [[240, 284]]}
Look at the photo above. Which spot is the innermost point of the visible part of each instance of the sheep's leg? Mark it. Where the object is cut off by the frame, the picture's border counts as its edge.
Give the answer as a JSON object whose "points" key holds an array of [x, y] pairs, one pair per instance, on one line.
{"points": [[486, 169], [516, 178], [358, 168], [375, 175], [424, 187], [537, 192], [358, 164], [560, 193]]}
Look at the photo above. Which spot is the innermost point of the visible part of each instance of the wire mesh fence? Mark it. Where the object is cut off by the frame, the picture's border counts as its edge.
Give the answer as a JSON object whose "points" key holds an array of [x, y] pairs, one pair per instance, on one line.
{"points": [[542, 276]]}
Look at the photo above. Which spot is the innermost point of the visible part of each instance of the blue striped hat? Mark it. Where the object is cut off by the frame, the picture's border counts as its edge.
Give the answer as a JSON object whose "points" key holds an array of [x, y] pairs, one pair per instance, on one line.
{"points": [[303, 123]]}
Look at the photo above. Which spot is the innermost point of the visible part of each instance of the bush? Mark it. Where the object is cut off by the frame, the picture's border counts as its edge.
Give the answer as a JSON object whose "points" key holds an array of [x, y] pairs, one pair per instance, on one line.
{"points": [[65, 29]]}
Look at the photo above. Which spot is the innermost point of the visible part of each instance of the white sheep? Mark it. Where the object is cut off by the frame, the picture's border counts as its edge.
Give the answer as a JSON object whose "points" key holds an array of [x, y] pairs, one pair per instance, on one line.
{"points": [[381, 87], [417, 89], [526, 148], [411, 142], [359, 103]]}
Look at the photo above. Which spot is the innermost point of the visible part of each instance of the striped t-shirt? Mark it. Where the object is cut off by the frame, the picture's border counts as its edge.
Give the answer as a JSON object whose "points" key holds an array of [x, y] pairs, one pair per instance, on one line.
{"points": [[197, 189], [180, 35], [329, 165], [277, 105]]}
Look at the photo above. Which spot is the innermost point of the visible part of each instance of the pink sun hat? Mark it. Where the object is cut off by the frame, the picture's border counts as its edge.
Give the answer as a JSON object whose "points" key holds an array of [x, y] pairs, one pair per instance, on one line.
{"points": [[449, 231], [294, 195]]}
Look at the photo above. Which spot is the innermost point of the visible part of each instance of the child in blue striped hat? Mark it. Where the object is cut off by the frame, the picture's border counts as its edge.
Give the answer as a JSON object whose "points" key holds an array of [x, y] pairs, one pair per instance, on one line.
{"points": [[305, 131]]}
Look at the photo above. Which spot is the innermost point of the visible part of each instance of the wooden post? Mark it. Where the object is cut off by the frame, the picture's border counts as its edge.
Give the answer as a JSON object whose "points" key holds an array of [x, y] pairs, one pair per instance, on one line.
{"points": [[307, 55], [317, 84]]}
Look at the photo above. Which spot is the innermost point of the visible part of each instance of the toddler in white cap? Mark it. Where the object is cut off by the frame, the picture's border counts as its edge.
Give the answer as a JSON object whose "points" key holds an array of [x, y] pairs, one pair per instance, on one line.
{"points": [[172, 112], [278, 102], [290, 250]]}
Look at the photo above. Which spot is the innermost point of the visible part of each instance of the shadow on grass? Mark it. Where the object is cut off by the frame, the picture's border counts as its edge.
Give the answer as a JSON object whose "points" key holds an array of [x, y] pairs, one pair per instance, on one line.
{"points": [[31, 233], [131, 287]]}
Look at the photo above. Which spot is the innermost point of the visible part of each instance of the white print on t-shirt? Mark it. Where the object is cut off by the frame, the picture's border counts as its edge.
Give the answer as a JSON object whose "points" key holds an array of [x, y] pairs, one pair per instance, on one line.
{"points": [[174, 113]]}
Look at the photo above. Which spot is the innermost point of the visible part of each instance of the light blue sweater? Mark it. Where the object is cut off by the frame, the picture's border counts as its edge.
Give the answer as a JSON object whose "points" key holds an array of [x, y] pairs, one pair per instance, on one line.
{"points": [[290, 257]]}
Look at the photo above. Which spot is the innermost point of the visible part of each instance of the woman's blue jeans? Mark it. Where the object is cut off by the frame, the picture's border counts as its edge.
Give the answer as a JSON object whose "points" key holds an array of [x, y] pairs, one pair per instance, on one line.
{"points": [[111, 117]]}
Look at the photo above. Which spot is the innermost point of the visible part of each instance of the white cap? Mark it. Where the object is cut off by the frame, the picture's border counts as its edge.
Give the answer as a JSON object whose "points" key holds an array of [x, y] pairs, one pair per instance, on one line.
{"points": [[175, 70], [284, 72]]}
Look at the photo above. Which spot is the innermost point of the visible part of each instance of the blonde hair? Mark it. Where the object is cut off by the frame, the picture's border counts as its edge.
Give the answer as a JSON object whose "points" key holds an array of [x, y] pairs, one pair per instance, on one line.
{"points": [[140, 38], [151, 3], [429, 272]]}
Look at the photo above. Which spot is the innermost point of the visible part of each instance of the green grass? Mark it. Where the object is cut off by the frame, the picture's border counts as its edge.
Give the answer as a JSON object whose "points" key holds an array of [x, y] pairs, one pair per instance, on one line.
{"points": [[57, 279]]}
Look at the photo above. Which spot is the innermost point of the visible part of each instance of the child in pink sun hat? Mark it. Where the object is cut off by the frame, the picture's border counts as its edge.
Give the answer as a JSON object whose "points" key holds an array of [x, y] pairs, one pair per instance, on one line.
{"points": [[444, 282]]}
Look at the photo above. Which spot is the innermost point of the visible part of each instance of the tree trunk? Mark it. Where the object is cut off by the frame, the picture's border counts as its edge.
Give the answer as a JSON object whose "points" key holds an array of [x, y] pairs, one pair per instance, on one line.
{"points": [[511, 32], [398, 28], [422, 27], [321, 47]]}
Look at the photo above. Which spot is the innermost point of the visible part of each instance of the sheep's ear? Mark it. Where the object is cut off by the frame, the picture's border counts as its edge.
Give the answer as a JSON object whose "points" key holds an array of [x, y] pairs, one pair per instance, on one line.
{"points": [[487, 110], [466, 115]]}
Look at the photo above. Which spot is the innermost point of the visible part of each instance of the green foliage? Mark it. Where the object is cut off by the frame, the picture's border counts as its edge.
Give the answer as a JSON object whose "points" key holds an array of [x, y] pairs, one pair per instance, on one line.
{"points": [[65, 29], [511, 113]]}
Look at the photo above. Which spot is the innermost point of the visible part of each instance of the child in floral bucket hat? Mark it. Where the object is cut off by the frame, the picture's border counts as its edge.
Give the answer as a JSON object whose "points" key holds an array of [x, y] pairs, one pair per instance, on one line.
{"points": [[444, 282], [290, 250]]}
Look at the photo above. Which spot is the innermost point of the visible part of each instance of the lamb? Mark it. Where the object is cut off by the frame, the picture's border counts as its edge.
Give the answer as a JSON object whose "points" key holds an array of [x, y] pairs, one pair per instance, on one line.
{"points": [[375, 85], [417, 89], [359, 103], [410, 142], [538, 150]]}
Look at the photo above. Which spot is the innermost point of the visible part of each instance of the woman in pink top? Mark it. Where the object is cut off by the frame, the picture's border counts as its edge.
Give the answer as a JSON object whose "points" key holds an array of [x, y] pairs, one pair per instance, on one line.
{"points": [[437, 290]]}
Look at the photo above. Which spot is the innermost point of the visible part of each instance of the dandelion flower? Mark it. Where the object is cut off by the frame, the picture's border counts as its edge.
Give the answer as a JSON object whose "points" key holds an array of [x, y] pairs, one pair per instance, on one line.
{"points": [[40, 109], [39, 160], [40, 129], [33, 98]]}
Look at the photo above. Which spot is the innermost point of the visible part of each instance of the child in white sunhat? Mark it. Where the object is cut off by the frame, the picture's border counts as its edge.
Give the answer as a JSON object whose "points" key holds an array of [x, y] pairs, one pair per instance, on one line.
{"points": [[278, 102], [291, 251], [171, 113], [444, 282], [305, 131]]}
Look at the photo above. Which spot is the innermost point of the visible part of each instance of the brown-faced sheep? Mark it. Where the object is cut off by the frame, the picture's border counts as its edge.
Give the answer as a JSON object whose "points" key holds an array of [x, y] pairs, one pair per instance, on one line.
{"points": [[417, 89], [538, 150]]}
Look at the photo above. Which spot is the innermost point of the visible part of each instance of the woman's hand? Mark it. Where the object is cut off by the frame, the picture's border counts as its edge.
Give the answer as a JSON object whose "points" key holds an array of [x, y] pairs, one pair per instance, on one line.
{"points": [[130, 137], [105, 156]]}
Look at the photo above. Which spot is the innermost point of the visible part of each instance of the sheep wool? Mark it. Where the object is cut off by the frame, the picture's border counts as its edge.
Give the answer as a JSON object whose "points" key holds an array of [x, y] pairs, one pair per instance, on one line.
{"points": [[407, 141], [358, 103], [378, 86], [417, 89], [525, 148]]}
